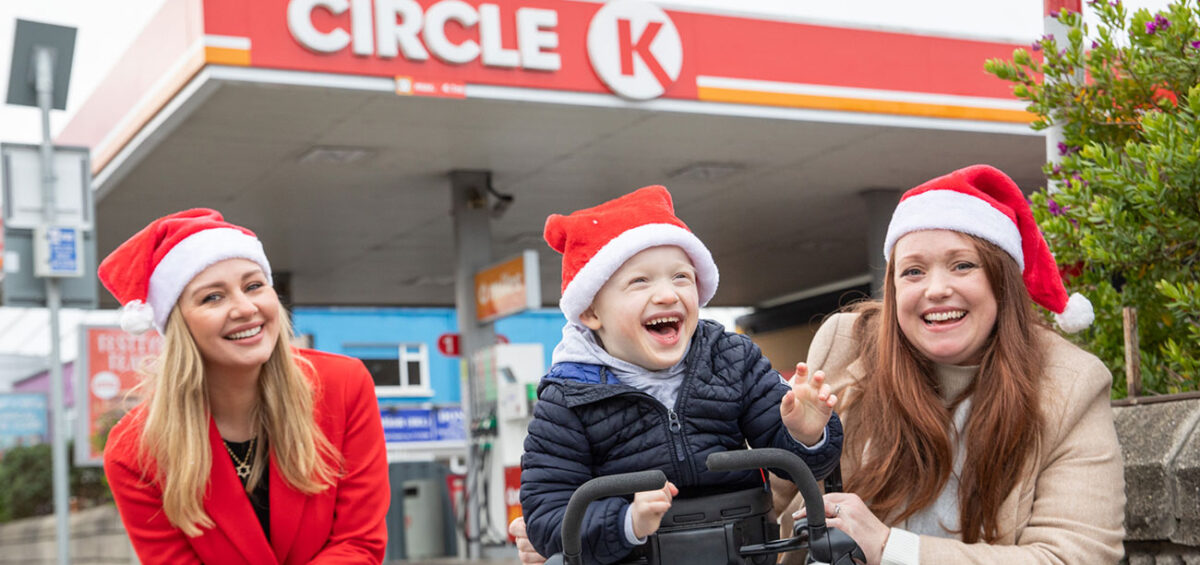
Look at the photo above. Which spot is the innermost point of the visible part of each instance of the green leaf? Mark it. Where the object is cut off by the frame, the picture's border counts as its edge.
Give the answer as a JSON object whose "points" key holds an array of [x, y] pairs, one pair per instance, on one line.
{"points": [[1130, 198]]}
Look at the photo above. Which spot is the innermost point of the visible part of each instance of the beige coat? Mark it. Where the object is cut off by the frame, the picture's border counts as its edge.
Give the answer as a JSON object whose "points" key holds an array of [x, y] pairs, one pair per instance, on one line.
{"points": [[1071, 510]]}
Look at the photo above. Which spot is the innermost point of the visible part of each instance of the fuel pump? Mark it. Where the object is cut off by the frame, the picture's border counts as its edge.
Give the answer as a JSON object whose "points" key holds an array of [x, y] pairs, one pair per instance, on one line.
{"points": [[508, 376]]}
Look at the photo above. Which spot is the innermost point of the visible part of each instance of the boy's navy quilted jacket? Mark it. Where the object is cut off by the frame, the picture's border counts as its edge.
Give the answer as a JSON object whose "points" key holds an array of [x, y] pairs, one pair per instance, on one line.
{"points": [[586, 424]]}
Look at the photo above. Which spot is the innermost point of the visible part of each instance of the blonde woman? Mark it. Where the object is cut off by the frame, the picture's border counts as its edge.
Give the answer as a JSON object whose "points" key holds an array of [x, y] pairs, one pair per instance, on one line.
{"points": [[245, 449]]}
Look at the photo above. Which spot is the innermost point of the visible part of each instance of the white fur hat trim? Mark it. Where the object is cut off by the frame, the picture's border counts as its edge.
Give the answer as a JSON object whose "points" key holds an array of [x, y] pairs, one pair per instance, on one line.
{"points": [[591, 277], [951, 210], [1077, 316], [190, 257]]}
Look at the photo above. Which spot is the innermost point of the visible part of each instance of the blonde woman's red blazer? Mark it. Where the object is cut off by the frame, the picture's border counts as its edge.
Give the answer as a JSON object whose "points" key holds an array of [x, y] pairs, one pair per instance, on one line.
{"points": [[342, 524]]}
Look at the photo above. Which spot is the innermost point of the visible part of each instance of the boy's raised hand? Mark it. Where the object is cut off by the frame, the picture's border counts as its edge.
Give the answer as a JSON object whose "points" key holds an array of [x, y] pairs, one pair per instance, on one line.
{"points": [[648, 509], [806, 408]]}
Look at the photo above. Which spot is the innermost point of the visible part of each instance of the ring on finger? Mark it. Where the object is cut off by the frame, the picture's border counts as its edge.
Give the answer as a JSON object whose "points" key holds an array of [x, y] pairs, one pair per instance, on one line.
{"points": [[837, 510]]}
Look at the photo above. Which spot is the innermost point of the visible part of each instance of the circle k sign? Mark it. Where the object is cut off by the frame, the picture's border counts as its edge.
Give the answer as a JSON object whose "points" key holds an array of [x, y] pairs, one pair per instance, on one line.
{"points": [[635, 48]]}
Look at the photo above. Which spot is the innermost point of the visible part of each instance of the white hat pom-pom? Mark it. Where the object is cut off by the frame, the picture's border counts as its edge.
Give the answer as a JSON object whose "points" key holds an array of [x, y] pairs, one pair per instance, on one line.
{"points": [[1077, 316], [137, 317]]}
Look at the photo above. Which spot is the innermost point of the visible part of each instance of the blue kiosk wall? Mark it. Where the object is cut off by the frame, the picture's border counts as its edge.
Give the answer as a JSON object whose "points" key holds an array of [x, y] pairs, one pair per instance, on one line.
{"points": [[374, 333]]}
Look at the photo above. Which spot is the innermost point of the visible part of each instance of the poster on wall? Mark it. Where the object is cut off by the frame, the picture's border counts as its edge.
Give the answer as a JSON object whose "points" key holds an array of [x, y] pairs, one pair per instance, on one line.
{"points": [[110, 364], [23, 420]]}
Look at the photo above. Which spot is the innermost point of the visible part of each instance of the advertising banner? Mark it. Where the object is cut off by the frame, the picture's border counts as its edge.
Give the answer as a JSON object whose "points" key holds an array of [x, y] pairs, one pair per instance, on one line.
{"points": [[407, 425], [508, 287], [109, 365], [633, 49], [512, 496], [23, 420]]}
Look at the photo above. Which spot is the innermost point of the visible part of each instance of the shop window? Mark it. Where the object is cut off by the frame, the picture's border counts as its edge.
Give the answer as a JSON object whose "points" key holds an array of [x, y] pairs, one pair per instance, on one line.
{"points": [[407, 374]]}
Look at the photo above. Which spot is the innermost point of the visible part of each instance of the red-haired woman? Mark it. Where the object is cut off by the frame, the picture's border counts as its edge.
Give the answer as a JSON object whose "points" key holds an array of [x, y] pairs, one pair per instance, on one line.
{"points": [[974, 432]]}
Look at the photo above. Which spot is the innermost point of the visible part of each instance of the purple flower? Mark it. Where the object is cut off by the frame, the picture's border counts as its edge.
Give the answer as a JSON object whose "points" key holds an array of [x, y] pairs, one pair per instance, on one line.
{"points": [[1045, 39], [1115, 3], [1151, 28], [1196, 45], [1055, 209], [1057, 170], [1064, 149], [1162, 22], [1095, 44], [1038, 46]]}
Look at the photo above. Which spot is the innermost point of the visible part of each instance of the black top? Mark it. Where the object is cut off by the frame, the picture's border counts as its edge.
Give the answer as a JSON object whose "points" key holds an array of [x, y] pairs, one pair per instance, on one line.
{"points": [[259, 497]]}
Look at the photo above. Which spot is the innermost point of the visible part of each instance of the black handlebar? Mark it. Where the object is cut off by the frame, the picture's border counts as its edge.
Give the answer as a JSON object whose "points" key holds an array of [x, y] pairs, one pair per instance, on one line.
{"points": [[595, 489], [824, 544], [773, 458]]}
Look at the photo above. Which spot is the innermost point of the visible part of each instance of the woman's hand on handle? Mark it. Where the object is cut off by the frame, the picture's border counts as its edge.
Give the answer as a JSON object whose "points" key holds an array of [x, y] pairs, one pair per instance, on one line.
{"points": [[525, 550], [848, 513]]}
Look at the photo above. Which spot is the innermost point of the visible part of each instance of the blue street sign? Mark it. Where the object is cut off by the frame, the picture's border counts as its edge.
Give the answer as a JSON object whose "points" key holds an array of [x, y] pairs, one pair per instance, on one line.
{"points": [[64, 249], [57, 251]]}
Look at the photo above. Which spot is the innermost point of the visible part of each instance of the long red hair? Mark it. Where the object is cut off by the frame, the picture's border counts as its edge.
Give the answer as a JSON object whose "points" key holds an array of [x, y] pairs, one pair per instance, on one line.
{"points": [[898, 420]]}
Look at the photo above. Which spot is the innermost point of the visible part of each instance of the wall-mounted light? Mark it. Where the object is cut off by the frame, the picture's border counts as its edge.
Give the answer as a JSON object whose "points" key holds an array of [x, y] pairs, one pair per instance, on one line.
{"points": [[503, 200]]}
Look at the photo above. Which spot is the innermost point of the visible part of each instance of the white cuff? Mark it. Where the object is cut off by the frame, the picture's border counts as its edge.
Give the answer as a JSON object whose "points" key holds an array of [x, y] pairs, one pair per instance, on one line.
{"points": [[629, 536], [815, 446], [903, 548]]}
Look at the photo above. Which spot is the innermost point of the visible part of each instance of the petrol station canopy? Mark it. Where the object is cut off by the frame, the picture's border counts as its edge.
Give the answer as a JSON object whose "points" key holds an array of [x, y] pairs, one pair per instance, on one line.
{"points": [[330, 127]]}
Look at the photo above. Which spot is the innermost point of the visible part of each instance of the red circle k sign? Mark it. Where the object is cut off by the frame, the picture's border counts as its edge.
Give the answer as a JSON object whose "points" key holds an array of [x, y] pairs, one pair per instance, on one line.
{"points": [[635, 48]]}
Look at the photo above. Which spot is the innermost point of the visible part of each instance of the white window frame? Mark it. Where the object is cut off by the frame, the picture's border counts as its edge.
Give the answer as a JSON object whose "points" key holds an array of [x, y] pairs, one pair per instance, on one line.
{"points": [[405, 353]]}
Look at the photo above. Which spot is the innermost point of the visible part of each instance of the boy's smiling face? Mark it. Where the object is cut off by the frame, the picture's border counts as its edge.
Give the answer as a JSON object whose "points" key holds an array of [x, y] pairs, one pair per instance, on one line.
{"points": [[648, 310]]}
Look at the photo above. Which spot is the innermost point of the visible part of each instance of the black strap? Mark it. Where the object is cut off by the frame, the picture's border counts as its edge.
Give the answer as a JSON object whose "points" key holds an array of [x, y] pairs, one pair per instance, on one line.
{"points": [[833, 483]]}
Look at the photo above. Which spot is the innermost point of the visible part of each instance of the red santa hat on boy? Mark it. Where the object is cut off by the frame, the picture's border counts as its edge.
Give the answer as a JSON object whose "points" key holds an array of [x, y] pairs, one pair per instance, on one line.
{"points": [[596, 241], [148, 272], [984, 202]]}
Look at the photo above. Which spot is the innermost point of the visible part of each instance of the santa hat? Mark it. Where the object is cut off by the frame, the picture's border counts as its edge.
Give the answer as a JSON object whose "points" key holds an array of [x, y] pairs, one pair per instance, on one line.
{"points": [[595, 242], [983, 202], [148, 272]]}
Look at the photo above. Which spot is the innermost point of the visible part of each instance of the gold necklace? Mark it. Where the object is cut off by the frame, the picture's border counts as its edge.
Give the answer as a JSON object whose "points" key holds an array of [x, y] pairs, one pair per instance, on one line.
{"points": [[242, 466]]}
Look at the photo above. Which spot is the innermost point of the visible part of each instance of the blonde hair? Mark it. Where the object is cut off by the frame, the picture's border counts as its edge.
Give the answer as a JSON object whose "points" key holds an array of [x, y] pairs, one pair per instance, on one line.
{"points": [[175, 429]]}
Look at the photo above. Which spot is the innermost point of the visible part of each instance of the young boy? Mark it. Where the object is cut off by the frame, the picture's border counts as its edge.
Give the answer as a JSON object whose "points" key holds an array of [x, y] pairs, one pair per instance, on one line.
{"points": [[640, 382]]}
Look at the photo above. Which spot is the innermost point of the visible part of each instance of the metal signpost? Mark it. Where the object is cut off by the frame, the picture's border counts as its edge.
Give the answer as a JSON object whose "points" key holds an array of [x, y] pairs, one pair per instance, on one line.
{"points": [[41, 69], [25, 227]]}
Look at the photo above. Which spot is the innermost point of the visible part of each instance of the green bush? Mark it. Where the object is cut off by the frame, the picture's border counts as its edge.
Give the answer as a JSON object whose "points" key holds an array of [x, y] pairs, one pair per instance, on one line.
{"points": [[25, 483], [1124, 222], [27, 488]]}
